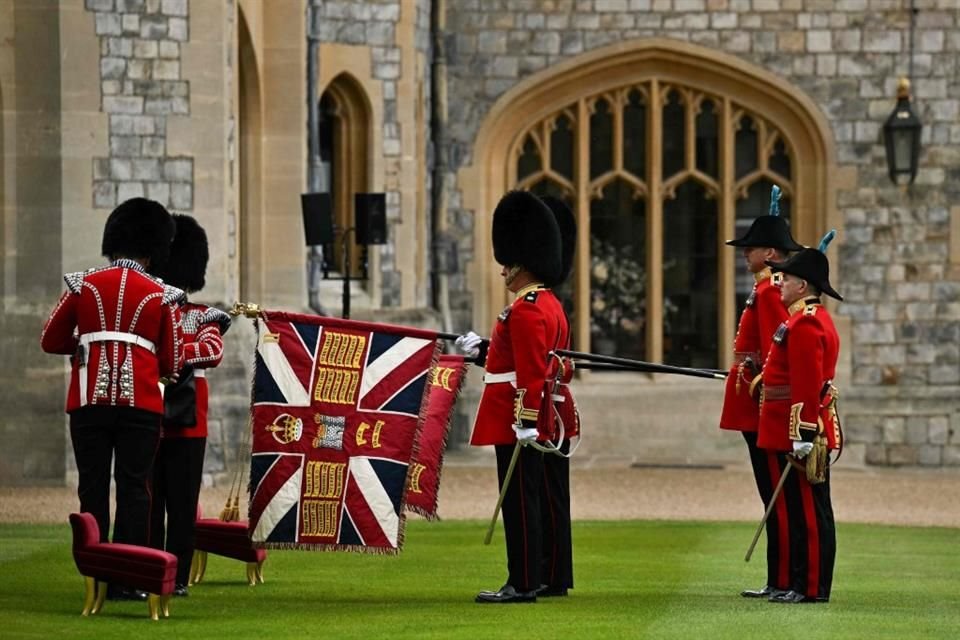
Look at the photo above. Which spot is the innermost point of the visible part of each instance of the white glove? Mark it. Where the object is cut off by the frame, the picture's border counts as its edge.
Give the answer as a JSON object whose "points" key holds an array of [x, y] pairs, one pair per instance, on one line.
{"points": [[525, 435], [469, 344], [801, 449]]}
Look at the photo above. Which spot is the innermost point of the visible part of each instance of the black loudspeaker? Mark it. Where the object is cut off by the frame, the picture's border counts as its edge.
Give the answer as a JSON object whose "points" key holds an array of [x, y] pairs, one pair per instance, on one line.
{"points": [[317, 218], [370, 217]]}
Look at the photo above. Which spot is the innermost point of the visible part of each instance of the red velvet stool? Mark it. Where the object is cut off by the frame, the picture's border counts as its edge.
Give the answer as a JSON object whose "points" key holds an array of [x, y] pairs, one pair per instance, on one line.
{"points": [[228, 539], [132, 566]]}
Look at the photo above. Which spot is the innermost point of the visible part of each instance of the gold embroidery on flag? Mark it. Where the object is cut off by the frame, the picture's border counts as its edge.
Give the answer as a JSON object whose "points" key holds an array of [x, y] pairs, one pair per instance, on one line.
{"points": [[415, 473], [324, 479], [319, 517], [338, 374], [374, 438], [441, 377]]}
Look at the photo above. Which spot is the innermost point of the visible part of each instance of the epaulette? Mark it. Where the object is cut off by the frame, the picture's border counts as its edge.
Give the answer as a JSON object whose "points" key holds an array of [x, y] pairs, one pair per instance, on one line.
{"points": [[212, 314], [752, 298], [781, 333], [75, 280], [810, 310], [532, 296], [505, 313], [173, 295]]}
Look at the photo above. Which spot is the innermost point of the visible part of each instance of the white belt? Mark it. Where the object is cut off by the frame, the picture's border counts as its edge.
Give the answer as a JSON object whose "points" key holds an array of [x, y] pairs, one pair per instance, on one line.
{"points": [[495, 378], [199, 373], [511, 377], [118, 336]]}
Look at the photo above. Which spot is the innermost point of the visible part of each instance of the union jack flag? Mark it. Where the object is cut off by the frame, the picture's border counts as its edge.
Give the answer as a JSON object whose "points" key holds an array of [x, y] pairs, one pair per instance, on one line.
{"points": [[337, 407]]}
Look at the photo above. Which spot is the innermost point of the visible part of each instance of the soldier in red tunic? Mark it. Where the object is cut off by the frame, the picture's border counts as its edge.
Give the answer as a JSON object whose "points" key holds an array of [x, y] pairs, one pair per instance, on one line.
{"points": [[121, 328], [178, 468], [517, 401], [798, 419], [767, 239], [556, 567]]}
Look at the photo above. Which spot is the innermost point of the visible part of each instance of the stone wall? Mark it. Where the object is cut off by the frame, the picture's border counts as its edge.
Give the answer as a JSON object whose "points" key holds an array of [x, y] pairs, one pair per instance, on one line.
{"points": [[373, 23], [33, 385], [902, 289], [141, 85]]}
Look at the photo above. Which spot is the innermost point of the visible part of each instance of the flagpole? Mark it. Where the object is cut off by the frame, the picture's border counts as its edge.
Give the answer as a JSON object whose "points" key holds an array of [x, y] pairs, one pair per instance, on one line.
{"points": [[640, 365]]}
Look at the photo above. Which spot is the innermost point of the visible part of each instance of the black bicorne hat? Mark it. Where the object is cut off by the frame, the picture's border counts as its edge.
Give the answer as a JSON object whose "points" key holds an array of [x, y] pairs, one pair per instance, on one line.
{"points": [[769, 230], [568, 236], [139, 228], [525, 233], [811, 265], [189, 253]]}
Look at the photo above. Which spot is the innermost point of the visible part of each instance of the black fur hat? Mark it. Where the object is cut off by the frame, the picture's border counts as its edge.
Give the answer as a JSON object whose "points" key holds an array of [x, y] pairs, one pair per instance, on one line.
{"points": [[139, 228], [189, 254], [525, 233], [568, 236]]}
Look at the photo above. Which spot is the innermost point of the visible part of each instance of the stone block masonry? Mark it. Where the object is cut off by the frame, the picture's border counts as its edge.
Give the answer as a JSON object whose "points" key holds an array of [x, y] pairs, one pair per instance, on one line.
{"points": [[141, 86]]}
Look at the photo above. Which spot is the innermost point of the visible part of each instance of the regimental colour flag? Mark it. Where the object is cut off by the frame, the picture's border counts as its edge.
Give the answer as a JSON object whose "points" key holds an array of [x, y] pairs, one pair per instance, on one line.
{"points": [[423, 485], [336, 407]]}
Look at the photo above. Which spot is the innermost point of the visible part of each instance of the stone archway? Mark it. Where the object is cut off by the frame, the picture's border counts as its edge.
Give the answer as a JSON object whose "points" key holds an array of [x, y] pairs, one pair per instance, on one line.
{"points": [[346, 117], [659, 60], [250, 133]]}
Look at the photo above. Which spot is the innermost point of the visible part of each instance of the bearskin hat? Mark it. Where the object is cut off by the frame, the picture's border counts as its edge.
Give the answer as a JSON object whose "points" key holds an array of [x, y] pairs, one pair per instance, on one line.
{"points": [[189, 253], [139, 228], [568, 236], [525, 233]]}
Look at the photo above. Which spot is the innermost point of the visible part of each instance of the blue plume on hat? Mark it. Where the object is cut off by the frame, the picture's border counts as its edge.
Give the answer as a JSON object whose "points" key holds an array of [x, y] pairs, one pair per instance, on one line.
{"points": [[825, 241], [775, 201]]}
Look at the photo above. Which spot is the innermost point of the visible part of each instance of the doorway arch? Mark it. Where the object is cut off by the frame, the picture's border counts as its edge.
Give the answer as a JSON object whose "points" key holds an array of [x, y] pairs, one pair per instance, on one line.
{"points": [[345, 121]]}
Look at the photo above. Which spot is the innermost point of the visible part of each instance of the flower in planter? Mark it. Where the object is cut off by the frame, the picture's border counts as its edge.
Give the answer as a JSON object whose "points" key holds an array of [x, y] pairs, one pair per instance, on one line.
{"points": [[617, 293]]}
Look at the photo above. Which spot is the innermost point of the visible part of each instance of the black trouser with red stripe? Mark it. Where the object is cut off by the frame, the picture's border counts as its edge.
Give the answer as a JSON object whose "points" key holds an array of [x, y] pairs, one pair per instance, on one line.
{"points": [[813, 535], [536, 518], [177, 473], [767, 467]]}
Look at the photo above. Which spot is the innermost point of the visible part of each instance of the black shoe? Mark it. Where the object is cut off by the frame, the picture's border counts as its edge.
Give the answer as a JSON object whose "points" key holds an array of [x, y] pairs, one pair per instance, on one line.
{"points": [[546, 591], [793, 597], [180, 590], [766, 591], [116, 592], [507, 594]]}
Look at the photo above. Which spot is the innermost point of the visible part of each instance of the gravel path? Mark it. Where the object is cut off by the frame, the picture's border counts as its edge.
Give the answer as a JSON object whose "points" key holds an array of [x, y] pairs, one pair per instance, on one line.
{"points": [[611, 492]]}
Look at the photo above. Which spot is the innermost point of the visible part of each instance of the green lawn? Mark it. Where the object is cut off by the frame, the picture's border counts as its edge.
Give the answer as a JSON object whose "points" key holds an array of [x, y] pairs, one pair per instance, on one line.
{"points": [[637, 579]]}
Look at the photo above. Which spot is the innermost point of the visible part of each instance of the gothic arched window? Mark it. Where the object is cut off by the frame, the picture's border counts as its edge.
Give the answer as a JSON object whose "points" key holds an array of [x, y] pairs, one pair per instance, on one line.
{"points": [[657, 173]]}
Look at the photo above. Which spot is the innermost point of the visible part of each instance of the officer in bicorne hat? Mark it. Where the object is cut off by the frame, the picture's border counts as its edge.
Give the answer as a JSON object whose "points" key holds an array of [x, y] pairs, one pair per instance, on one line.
{"points": [[798, 418], [767, 239], [178, 468], [516, 405], [122, 328]]}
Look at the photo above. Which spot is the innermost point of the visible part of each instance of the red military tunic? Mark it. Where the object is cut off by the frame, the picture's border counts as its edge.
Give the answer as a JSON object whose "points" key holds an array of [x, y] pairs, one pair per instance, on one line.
{"points": [[761, 317], [800, 367], [520, 373], [122, 327], [202, 350]]}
